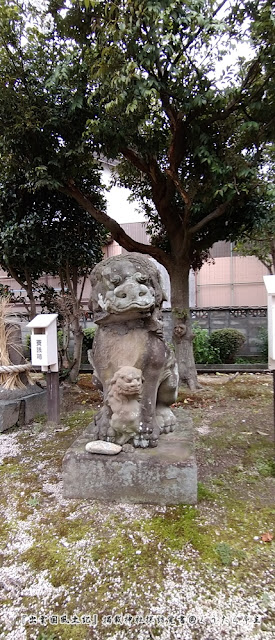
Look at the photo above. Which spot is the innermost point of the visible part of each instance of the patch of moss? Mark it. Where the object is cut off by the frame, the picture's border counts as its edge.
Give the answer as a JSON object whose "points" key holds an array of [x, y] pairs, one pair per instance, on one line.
{"points": [[52, 556], [131, 554], [40, 419], [204, 493], [11, 468], [256, 450], [64, 632], [9, 460], [5, 531], [218, 482], [78, 418], [241, 525], [45, 635], [220, 423], [72, 530], [221, 441], [266, 467], [242, 514], [178, 526], [235, 390]]}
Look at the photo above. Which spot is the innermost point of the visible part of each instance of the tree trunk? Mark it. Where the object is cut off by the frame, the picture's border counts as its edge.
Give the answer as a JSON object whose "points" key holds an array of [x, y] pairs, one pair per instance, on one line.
{"points": [[78, 341], [182, 325], [64, 348], [29, 289], [32, 305]]}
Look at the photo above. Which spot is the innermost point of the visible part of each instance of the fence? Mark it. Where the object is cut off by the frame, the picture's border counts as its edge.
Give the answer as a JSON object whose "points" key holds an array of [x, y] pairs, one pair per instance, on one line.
{"points": [[248, 320]]}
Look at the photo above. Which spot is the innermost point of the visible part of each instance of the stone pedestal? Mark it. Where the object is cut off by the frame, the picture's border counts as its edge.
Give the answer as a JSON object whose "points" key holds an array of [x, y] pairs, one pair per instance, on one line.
{"points": [[20, 406], [166, 474]]}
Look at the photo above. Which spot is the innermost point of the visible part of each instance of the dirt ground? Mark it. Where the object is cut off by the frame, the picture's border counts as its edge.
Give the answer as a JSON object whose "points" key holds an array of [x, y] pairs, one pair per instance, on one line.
{"points": [[234, 425], [84, 570]]}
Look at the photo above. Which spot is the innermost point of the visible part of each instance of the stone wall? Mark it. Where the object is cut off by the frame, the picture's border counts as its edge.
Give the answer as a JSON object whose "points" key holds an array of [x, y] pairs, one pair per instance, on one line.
{"points": [[247, 320]]}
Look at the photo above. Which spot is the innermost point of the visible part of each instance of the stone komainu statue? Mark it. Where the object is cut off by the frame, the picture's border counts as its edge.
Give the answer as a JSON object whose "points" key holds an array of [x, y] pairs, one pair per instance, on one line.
{"points": [[133, 364]]}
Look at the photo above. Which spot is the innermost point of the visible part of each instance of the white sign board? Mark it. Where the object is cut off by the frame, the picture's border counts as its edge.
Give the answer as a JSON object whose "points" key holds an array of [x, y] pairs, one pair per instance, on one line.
{"points": [[44, 351], [270, 287]]}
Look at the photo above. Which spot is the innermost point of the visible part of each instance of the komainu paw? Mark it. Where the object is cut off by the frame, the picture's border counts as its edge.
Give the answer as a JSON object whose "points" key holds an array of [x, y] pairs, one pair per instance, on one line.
{"points": [[165, 418]]}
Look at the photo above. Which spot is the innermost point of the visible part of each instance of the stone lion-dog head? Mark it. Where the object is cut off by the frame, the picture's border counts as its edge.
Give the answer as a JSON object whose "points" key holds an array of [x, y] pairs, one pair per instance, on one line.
{"points": [[129, 285]]}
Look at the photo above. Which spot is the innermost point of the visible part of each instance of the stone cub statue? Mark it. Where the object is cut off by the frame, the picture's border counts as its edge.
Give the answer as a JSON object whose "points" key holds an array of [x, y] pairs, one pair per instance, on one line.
{"points": [[133, 364], [123, 399]]}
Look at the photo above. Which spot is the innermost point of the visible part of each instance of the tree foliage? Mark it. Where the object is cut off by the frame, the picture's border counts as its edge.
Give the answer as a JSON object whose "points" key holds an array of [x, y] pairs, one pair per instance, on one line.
{"points": [[45, 232], [43, 110], [260, 240], [141, 81]]}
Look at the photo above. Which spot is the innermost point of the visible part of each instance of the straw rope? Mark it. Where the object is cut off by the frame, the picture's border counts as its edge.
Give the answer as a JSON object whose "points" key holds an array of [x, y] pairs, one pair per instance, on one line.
{"points": [[15, 368]]}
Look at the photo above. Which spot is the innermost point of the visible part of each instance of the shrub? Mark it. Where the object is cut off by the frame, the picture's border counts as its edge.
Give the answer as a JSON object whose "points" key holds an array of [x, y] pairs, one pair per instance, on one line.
{"points": [[227, 342], [27, 346], [88, 339], [59, 339], [263, 336], [204, 352]]}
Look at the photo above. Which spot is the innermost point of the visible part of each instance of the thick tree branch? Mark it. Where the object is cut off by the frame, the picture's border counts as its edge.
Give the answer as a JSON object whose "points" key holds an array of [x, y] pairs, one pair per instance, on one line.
{"points": [[161, 188], [169, 109], [150, 168], [235, 104], [193, 37], [136, 160], [84, 278], [16, 277], [68, 280], [268, 124], [176, 149], [179, 187], [267, 265], [219, 211], [117, 232]]}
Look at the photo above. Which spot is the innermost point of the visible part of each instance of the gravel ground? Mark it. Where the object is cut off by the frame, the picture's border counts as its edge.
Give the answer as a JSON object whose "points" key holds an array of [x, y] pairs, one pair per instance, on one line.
{"points": [[73, 570]]}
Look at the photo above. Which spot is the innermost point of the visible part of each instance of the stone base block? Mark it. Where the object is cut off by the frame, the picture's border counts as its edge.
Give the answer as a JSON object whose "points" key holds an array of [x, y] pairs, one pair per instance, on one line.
{"points": [[20, 406], [166, 474]]}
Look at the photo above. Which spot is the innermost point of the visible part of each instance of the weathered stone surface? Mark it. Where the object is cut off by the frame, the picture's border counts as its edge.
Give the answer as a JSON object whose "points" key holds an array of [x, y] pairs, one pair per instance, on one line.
{"points": [[132, 362], [102, 447], [123, 400], [166, 474], [11, 394], [128, 448], [20, 406]]}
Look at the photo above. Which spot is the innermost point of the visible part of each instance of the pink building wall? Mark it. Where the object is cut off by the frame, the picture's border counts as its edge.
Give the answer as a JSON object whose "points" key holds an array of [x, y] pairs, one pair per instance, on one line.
{"points": [[233, 281]]}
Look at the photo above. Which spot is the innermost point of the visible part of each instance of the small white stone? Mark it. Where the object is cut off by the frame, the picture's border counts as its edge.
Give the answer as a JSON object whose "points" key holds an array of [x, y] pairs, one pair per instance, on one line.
{"points": [[102, 447]]}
